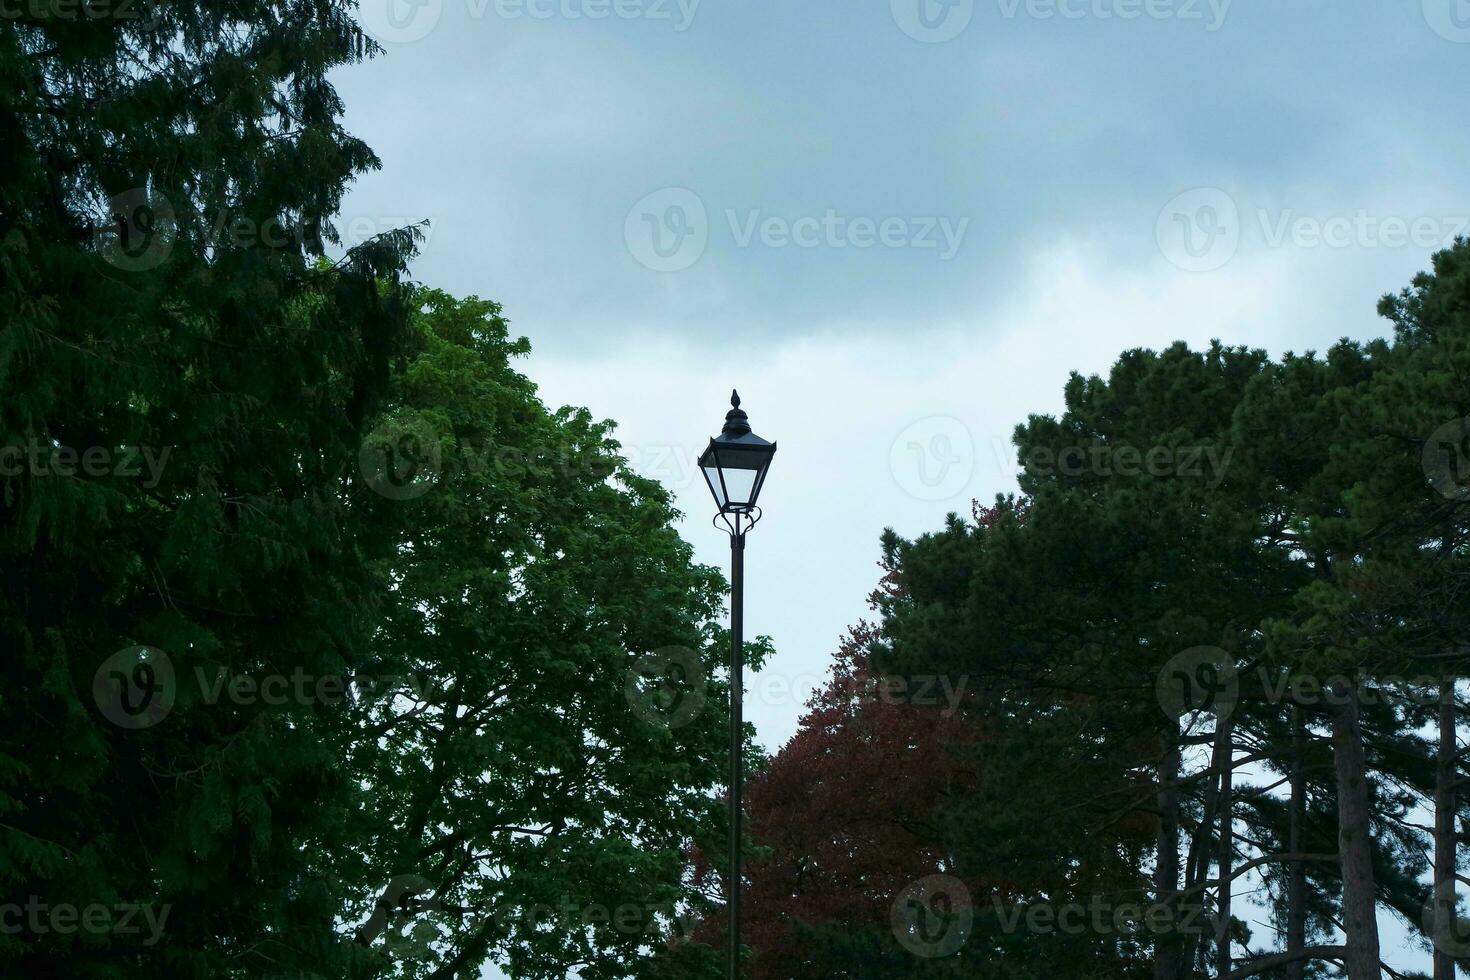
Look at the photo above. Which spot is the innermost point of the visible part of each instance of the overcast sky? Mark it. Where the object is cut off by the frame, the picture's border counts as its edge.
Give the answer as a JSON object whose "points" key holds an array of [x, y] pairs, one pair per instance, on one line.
{"points": [[897, 226]]}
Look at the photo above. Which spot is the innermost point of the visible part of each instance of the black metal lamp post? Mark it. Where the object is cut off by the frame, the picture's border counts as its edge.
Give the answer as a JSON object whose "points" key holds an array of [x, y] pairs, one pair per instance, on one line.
{"points": [[734, 466]]}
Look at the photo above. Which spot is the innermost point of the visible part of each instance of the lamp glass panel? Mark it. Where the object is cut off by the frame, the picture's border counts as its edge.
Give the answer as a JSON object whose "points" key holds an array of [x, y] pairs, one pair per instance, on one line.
{"points": [[740, 483], [712, 477]]}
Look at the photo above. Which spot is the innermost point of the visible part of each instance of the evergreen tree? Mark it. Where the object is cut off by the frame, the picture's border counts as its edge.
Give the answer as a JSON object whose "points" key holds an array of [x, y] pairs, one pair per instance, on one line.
{"points": [[1215, 642], [185, 394]]}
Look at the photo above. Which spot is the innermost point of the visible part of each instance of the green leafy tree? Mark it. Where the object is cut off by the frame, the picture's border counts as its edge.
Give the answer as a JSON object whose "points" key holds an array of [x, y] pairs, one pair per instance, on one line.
{"points": [[562, 743]]}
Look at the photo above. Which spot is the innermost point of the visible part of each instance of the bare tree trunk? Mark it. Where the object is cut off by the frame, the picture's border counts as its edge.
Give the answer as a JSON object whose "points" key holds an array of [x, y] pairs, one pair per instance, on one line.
{"points": [[1166, 863], [1444, 834], [1296, 882], [1225, 859], [1359, 901], [1196, 871]]}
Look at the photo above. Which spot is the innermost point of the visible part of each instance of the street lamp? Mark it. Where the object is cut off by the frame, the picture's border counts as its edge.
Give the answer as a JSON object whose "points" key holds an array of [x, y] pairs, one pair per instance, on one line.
{"points": [[734, 466]]}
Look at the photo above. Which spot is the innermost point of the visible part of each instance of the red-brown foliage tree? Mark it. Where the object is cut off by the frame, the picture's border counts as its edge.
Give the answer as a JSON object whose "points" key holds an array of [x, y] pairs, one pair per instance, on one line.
{"points": [[843, 813], [845, 810]]}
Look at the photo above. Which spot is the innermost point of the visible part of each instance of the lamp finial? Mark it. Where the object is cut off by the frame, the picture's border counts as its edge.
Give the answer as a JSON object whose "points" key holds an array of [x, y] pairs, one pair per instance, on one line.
{"points": [[736, 424]]}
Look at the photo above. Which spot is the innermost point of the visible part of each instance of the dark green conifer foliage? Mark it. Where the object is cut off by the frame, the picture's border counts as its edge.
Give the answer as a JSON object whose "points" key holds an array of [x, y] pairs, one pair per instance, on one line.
{"points": [[1322, 541], [167, 172]]}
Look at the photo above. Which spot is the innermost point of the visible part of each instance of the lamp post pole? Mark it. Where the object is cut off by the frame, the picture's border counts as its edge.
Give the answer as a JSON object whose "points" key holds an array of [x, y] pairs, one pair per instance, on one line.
{"points": [[737, 741], [734, 465]]}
